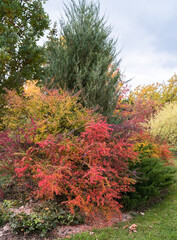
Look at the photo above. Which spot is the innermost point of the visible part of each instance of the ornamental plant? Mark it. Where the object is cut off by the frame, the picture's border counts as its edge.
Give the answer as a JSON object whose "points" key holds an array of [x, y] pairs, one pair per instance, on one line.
{"points": [[130, 117], [150, 91], [169, 93], [164, 125], [153, 178], [89, 172], [133, 125], [44, 112], [31, 117], [152, 171]]}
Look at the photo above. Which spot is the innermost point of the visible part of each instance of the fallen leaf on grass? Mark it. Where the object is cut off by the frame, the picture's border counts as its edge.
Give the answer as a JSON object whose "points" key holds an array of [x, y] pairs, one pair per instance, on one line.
{"points": [[132, 228], [125, 227]]}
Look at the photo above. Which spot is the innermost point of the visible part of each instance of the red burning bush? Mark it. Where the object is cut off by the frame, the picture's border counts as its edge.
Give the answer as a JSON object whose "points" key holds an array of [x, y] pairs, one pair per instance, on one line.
{"points": [[89, 171]]}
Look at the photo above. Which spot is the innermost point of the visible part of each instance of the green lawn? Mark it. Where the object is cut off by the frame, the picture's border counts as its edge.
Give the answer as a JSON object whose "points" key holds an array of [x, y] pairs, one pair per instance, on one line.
{"points": [[159, 222]]}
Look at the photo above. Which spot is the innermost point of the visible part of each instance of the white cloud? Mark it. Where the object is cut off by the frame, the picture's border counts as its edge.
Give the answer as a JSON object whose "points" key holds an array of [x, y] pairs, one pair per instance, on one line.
{"points": [[148, 66], [143, 58], [55, 9]]}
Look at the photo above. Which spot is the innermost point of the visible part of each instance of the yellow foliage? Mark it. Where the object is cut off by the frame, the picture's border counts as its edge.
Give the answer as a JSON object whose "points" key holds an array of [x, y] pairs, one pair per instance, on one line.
{"points": [[62, 41], [51, 111], [150, 91], [147, 149], [169, 92], [30, 89], [165, 92], [164, 124]]}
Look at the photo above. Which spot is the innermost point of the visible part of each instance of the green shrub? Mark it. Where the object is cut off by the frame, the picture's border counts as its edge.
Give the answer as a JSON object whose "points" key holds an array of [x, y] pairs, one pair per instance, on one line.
{"points": [[153, 172], [4, 212], [152, 176], [174, 150], [43, 218], [23, 222]]}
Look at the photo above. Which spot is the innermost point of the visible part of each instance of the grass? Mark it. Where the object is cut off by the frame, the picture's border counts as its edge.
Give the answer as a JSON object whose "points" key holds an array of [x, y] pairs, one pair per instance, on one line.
{"points": [[158, 223]]}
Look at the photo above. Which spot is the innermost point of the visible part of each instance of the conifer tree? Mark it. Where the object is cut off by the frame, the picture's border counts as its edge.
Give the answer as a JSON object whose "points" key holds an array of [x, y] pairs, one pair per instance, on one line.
{"points": [[82, 57]]}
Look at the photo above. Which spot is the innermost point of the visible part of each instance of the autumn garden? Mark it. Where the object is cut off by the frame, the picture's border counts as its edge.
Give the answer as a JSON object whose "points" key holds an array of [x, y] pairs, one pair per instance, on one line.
{"points": [[76, 141]]}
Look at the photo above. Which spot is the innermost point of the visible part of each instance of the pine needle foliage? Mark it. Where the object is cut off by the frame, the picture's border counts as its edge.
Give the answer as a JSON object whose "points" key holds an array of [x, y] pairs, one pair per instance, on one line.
{"points": [[82, 56]]}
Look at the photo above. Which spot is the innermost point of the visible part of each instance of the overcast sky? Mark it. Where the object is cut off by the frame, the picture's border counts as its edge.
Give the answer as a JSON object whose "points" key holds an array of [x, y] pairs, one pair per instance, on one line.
{"points": [[146, 32]]}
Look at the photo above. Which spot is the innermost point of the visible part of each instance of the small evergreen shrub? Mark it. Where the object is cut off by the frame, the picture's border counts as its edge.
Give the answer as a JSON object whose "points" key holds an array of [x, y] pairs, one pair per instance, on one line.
{"points": [[152, 177], [153, 171]]}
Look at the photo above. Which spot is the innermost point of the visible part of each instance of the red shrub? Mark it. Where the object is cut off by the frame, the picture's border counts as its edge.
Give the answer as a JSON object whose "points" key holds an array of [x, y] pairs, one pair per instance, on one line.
{"points": [[8, 148], [90, 171], [133, 116]]}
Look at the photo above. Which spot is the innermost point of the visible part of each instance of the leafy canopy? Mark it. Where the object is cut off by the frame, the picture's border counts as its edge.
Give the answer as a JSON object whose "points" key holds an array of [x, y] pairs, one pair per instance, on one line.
{"points": [[22, 23], [162, 93]]}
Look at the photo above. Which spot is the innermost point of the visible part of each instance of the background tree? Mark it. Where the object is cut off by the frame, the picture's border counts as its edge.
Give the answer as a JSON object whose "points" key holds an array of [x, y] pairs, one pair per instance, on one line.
{"points": [[169, 93], [22, 23], [159, 92], [83, 57]]}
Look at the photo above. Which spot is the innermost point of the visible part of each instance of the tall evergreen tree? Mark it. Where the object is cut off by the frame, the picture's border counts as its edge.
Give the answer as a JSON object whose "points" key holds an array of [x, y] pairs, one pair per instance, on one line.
{"points": [[22, 23], [82, 57]]}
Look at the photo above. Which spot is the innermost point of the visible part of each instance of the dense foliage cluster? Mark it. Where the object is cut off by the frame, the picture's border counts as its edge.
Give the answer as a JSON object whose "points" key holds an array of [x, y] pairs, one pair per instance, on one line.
{"points": [[164, 124], [44, 112], [89, 171], [162, 97], [22, 23], [56, 147]]}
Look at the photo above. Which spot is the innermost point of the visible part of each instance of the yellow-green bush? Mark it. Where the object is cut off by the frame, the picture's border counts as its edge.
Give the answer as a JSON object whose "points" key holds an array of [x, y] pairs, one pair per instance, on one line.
{"points": [[49, 111], [164, 124]]}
